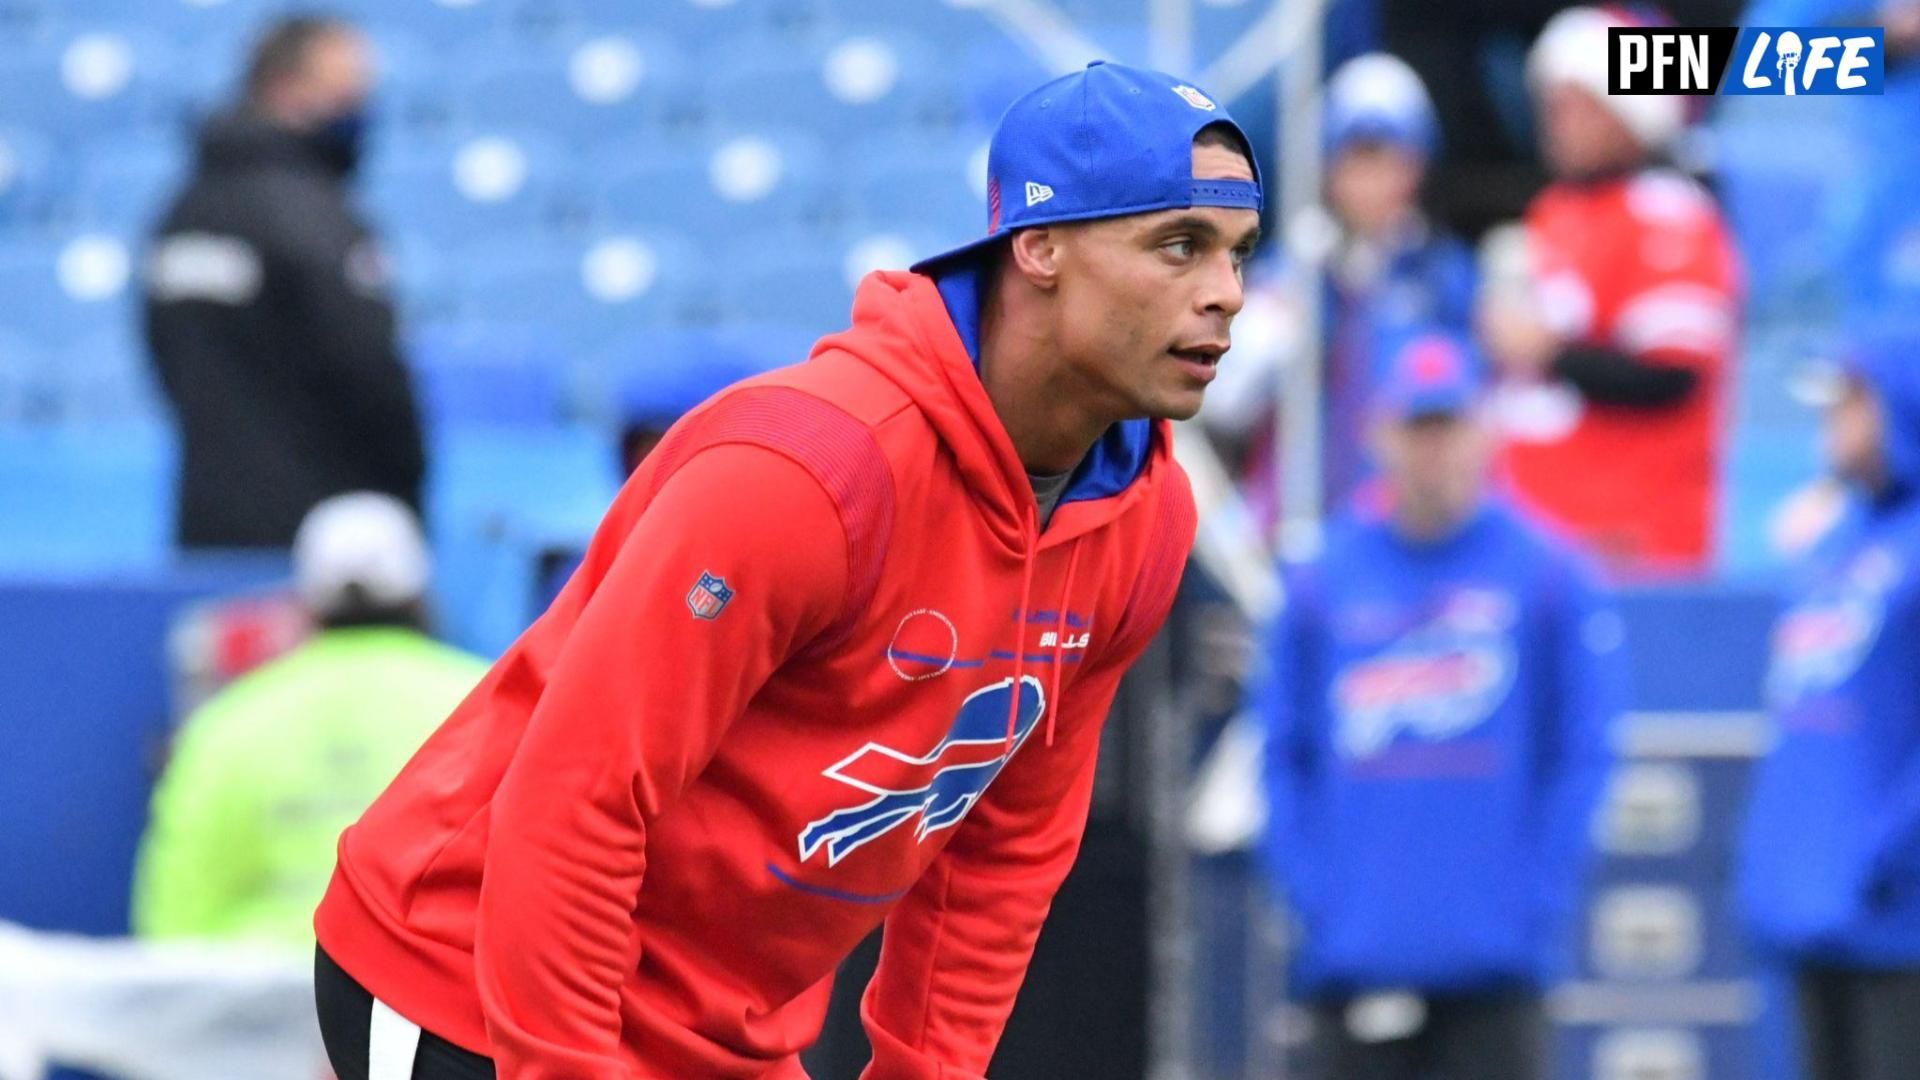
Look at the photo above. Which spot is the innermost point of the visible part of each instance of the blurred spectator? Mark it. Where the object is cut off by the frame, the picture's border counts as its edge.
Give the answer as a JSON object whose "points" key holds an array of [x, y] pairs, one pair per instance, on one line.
{"points": [[1831, 869], [267, 308], [1438, 686], [267, 774], [1473, 55], [1389, 271], [1618, 362], [1880, 218]]}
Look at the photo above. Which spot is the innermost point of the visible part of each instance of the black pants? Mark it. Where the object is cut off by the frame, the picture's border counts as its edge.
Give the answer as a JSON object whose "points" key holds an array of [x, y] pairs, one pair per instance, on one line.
{"points": [[1491, 1036], [346, 1009], [1859, 1025]]}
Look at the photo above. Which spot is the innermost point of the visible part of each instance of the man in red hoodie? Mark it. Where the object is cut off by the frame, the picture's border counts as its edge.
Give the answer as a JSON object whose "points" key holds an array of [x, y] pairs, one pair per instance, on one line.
{"points": [[840, 653], [1618, 364]]}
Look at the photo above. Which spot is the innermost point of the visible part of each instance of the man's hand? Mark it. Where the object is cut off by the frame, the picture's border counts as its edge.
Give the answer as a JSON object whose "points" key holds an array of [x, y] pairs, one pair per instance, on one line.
{"points": [[1516, 340]]}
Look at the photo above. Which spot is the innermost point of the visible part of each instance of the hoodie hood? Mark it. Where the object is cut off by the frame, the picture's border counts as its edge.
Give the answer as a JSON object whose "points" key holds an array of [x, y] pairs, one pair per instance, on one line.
{"points": [[919, 335], [1891, 366], [239, 140]]}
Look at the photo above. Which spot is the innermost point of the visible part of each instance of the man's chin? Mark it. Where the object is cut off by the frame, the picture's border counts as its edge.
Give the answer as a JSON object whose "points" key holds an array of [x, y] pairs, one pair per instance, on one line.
{"points": [[1184, 406]]}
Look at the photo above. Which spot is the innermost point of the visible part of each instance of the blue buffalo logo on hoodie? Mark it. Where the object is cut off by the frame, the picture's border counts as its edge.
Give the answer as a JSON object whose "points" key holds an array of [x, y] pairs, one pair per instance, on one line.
{"points": [[1821, 642], [1436, 716], [1830, 859], [1440, 681]]}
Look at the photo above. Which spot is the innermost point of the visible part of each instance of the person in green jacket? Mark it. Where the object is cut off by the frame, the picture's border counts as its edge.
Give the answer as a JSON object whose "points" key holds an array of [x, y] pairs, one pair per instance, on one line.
{"points": [[266, 775]]}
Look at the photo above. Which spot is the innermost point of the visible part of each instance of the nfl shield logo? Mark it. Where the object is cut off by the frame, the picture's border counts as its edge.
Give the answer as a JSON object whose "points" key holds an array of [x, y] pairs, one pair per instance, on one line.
{"points": [[708, 598]]}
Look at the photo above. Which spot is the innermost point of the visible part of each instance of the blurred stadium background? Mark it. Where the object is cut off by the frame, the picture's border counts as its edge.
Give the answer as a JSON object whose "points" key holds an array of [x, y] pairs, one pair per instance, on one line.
{"points": [[577, 192]]}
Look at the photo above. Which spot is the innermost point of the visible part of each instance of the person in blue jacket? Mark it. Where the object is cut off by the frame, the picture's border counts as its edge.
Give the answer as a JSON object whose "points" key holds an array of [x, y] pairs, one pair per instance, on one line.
{"points": [[1830, 867], [1436, 693], [1390, 272]]}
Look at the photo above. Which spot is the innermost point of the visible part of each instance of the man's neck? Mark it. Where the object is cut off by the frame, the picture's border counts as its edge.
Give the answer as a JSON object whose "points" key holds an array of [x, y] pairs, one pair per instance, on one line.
{"points": [[1424, 525], [1052, 418]]}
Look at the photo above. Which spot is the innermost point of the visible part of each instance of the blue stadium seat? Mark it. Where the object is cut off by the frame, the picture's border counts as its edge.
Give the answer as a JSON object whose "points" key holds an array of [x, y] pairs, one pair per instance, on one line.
{"points": [[479, 185], [425, 287], [656, 375], [182, 19], [24, 371], [586, 90], [55, 292], [582, 293], [997, 75], [124, 185], [690, 23], [31, 175], [920, 192], [437, 23], [89, 80], [100, 496], [793, 285], [866, 246], [406, 115], [954, 26], [852, 86], [473, 373], [745, 180], [106, 379]]}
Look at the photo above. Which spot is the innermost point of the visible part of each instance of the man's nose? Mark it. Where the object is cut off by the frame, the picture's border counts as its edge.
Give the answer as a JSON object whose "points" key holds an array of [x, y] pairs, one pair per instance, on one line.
{"points": [[1224, 292]]}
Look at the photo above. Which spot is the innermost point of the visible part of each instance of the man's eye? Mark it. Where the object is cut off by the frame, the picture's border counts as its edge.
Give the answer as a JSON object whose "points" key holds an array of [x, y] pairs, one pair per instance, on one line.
{"points": [[1179, 249], [1241, 255]]}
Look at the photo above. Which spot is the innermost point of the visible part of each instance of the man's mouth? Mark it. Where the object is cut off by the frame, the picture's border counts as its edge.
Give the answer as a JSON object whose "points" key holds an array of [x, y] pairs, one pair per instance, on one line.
{"points": [[1203, 357]]}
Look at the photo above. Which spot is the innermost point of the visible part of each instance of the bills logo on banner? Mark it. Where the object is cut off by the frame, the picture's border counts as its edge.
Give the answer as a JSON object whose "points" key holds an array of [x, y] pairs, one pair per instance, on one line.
{"points": [[1784, 60], [709, 596], [936, 787]]}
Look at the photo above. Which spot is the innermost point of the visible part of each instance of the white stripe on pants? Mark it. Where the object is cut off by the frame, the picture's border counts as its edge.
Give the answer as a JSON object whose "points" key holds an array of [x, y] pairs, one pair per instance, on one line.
{"points": [[392, 1042]]}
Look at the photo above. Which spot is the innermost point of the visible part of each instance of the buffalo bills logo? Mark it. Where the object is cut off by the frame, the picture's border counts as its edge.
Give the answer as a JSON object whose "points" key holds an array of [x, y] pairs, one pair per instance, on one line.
{"points": [[708, 597], [937, 787], [1821, 644], [1820, 647], [1432, 685]]}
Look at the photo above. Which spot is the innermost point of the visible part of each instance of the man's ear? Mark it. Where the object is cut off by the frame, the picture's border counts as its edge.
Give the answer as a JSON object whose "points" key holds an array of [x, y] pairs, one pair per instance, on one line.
{"points": [[1035, 254]]}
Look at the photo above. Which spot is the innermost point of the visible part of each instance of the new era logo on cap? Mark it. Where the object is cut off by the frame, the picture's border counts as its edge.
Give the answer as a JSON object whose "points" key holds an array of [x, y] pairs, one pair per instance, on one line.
{"points": [[1112, 141], [1195, 98]]}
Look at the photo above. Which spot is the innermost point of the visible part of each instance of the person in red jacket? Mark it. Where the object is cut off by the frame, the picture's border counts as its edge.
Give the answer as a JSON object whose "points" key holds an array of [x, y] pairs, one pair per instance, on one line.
{"points": [[1618, 362], [840, 652]]}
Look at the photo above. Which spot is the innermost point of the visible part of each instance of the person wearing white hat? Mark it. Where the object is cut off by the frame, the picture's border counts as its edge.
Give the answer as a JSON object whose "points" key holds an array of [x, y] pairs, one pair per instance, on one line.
{"points": [[266, 775], [1391, 274], [1617, 358]]}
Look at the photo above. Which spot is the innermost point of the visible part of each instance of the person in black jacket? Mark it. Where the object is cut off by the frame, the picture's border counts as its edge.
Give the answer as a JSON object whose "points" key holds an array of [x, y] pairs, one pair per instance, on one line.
{"points": [[267, 311]]}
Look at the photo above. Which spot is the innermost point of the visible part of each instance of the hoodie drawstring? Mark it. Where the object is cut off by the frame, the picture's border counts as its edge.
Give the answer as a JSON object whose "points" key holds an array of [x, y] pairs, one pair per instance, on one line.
{"points": [[1020, 628], [1060, 638]]}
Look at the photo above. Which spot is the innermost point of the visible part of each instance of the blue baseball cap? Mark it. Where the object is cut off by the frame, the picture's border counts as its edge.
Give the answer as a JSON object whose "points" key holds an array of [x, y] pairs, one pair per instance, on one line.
{"points": [[1433, 374], [1108, 141]]}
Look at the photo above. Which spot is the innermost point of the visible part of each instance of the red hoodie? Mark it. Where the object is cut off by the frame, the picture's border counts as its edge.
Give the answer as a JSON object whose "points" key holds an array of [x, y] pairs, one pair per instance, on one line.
{"points": [[764, 716], [1644, 266]]}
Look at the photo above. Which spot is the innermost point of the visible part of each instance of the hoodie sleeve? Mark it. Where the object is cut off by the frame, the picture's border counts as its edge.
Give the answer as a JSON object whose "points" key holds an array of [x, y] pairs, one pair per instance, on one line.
{"points": [[1896, 832], [635, 704], [956, 947], [1584, 656], [1681, 312], [1289, 697]]}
